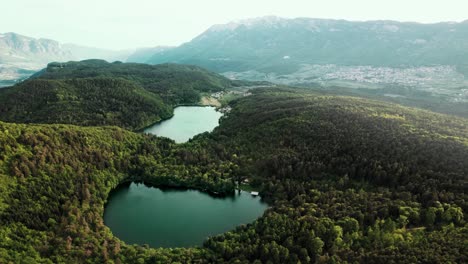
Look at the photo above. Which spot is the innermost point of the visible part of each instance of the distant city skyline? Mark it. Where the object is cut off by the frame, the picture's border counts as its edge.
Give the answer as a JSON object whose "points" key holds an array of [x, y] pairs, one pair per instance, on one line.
{"points": [[124, 24]]}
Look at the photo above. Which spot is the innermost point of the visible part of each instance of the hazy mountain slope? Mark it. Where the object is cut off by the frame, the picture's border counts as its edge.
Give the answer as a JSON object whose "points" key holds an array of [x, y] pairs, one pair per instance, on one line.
{"points": [[85, 53], [20, 56], [23, 50], [422, 65], [15, 48], [141, 55], [272, 44], [95, 92]]}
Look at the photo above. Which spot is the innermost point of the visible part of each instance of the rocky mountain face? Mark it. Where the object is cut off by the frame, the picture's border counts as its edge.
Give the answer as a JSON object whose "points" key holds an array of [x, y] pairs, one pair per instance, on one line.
{"points": [[272, 44], [423, 65], [21, 56], [15, 48]]}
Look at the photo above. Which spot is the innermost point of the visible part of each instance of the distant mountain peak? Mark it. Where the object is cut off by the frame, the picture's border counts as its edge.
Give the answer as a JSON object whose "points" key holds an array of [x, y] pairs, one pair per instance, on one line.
{"points": [[314, 24], [17, 48], [281, 45], [21, 55], [250, 22]]}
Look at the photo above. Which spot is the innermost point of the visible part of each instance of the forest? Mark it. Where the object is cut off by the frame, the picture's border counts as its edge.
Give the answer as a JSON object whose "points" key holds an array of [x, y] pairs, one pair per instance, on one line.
{"points": [[349, 180], [95, 92]]}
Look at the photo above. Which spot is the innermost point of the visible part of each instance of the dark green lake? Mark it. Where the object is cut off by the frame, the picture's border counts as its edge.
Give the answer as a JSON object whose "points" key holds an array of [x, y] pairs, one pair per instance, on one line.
{"points": [[138, 214], [187, 122]]}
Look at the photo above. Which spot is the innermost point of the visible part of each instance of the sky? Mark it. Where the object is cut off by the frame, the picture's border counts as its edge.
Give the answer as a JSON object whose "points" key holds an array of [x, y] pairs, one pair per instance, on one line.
{"points": [[128, 24]]}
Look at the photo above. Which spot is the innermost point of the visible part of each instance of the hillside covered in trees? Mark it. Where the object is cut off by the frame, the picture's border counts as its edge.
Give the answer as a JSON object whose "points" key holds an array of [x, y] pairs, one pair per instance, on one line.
{"points": [[96, 92], [347, 179], [351, 179]]}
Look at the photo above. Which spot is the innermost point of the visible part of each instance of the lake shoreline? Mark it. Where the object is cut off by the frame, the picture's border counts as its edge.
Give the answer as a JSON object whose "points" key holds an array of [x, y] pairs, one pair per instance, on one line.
{"points": [[149, 183], [141, 130], [186, 122], [140, 213]]}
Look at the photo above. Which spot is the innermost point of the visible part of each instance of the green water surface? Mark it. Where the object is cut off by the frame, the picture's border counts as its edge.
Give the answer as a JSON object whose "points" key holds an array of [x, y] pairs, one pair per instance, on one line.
{"points": [[138, 214]]}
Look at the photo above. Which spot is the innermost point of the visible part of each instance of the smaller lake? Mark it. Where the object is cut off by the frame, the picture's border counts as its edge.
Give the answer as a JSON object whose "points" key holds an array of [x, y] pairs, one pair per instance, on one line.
{"points": [[138, 214], [187, 122]]}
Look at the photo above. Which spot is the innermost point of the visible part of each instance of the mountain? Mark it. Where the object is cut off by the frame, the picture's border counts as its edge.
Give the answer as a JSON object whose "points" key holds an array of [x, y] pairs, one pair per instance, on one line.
{"points": [[15, 48], [347, 180], [272, 44], [20, 56], [95, 92], [421, 65], [141, 55], [22, 50]]}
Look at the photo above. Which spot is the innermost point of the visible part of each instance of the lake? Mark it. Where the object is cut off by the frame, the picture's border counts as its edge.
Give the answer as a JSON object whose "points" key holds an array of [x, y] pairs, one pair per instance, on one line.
{"points": [[138, 214], [187, 122]]}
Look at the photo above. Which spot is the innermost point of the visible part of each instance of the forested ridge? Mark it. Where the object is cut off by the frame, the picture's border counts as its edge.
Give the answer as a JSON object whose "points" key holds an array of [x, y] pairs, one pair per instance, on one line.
{"points": [[84, 101], [95, 92], [175, 83], [352, 179], [348, 180]]}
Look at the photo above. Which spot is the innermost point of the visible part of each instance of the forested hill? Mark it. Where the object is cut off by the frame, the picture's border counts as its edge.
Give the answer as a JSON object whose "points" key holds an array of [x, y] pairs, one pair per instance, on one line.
{"points": [[54, 182], [347, 179], [96, 92], [83, 101], [175, 83], [352, 179]]}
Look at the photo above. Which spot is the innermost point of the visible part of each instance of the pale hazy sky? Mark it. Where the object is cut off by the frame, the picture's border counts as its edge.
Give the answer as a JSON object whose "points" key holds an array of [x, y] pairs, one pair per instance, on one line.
{"points": [[119, 24]]}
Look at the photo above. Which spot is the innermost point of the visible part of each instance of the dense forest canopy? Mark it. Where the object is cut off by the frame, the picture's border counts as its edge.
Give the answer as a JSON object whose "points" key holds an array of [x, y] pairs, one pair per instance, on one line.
{"points": [[171, 81], [348, 179], [83, 101], [96, 92]]}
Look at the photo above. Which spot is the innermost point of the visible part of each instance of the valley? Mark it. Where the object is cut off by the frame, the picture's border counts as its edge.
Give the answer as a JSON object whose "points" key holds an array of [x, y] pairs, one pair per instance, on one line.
{"points": [[438, 88], [268, 140]]}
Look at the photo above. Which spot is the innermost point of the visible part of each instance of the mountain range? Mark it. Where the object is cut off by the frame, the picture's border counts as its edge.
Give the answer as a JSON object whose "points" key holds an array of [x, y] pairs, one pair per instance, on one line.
{"points": [[21, 56], [273, 44], [423, 65], [274, 48]]}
